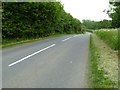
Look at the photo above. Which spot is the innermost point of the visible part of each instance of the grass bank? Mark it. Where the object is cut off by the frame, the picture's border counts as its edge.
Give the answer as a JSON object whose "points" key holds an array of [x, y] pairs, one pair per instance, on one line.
{"points": [[110, 37], [97, 74], [12, 42]]}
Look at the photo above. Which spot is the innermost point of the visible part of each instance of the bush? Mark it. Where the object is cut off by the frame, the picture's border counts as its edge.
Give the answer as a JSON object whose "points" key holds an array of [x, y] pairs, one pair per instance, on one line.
{"points": [[36, 19]]}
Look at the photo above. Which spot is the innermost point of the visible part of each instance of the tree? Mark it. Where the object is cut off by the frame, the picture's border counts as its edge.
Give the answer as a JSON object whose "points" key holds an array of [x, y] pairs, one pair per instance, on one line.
{"points": [[97, 24], [114, 13], [36, 19]]}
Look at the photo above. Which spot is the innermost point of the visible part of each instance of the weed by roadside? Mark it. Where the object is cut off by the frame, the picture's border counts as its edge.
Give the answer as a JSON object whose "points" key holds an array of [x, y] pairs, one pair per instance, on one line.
{"points": [[110, 37], [97, 78]]}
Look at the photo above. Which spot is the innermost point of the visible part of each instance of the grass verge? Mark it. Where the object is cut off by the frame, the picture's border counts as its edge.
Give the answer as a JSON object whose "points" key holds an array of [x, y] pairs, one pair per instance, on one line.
{"points": [[97, 78], [10, 43], [110, 37]]}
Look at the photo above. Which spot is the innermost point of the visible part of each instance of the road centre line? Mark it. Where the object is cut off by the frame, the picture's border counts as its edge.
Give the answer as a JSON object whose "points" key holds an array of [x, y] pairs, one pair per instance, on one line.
{"points": [[66, 39], [31, 55], [75, 36]]}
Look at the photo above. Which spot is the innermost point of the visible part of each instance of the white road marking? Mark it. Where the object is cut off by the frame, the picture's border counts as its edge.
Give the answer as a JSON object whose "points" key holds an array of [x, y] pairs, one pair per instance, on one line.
{"points": [[75, 36], [66, 39], [30, 55]]}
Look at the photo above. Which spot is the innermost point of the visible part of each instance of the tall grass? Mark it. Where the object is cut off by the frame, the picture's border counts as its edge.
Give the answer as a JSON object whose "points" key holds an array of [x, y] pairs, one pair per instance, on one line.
{"points": [[110, 37], [97, 78]]}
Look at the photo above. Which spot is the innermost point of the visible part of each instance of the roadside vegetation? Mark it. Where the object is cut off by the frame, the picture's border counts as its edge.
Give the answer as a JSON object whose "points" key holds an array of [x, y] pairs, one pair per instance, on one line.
{"points": [[26, 20], [103, 68], [98, 79], [110, 37], [14, 42]]}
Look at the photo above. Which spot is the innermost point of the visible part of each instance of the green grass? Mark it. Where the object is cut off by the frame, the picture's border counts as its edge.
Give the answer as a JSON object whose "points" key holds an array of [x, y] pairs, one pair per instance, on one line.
{"points": [[12, 42], [97, 76], [110, 37]]}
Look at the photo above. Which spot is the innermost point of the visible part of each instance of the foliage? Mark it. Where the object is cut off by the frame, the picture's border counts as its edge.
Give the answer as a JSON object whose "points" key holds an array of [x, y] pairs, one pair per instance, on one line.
{"points": [[97, 24], [114, 13], [98, 80], [89, 24], [36, 19], [110, 37]]}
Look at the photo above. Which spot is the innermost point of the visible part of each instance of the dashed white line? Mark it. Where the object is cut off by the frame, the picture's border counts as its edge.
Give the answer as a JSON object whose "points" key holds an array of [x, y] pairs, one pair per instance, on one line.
{"points": [[75, 36], [66, 39], [30, 55]]}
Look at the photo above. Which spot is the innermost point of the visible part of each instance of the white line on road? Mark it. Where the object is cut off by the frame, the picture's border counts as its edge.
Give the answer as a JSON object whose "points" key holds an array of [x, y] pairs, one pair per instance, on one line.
{"points": [[66, 39], [30, 55], [75, 36]]}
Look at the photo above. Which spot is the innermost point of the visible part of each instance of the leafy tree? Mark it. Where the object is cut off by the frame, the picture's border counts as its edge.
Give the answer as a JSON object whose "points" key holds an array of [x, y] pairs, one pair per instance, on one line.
{"points": [[36, 19], [114, 13], [97, 24]]}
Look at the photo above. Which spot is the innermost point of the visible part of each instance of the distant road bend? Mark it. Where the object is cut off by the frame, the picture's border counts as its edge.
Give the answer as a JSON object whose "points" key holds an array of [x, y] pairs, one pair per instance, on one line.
{"points": [[52, 63]]}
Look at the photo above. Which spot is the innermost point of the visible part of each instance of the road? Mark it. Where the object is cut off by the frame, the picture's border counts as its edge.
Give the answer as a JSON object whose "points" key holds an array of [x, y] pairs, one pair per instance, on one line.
{"points": [[60, 62]]}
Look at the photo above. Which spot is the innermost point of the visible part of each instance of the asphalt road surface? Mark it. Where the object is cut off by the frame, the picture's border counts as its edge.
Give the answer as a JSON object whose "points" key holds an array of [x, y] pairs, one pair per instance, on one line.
{"points": [[60, 62]]}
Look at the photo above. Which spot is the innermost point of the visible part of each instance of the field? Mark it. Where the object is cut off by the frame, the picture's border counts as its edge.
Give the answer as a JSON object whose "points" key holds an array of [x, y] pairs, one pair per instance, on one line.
{"points": [[109, 36]]}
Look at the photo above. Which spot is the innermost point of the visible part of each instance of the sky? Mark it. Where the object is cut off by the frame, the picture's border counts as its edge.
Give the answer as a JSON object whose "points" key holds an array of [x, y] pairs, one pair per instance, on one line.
{"points": [[87, 9]]}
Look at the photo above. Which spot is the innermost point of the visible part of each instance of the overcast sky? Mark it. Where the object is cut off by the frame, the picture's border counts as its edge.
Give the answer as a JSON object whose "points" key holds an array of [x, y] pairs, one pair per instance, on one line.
{"points": [[87, 9]]}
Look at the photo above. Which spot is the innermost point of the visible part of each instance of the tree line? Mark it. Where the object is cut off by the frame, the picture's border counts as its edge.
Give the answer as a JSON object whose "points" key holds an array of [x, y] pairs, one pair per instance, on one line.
{"points": [[89, 24], [36, 19], [114, 14]]}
